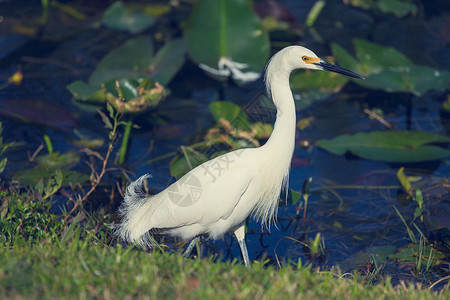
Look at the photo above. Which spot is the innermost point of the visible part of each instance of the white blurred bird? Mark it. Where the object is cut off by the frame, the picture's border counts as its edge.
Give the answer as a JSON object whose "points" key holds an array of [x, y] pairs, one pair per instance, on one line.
{"points": [[218, 196]]}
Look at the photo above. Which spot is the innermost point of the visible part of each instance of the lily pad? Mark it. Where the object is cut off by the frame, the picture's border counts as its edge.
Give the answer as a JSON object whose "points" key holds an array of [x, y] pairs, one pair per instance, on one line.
{"points": [[38, 112], [30, 177], [46, 167], [82, 91], [230, 112], [398, 8], [387, 69], [390, 146], [117, 16], [130, 60], [380, 253], [182, 164], [315, 85], [168, 61], [411, 252], [227, 29]]}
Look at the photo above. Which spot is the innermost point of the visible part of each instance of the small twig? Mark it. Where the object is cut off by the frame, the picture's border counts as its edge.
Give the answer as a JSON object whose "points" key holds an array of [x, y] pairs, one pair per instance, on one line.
{"points": [[439, 281], [39, 149], [377, 117]]}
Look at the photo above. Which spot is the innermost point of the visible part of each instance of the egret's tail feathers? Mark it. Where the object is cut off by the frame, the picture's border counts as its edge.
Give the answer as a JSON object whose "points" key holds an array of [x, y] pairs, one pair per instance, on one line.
{"points": [[136, 212]]}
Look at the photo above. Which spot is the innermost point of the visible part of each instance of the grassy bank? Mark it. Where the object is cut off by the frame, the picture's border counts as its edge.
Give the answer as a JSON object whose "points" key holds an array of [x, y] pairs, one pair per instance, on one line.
{"points": [[81, 269]]}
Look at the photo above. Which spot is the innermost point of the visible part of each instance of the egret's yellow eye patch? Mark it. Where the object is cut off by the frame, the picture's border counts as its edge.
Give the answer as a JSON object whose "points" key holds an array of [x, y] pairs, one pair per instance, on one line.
{"points": [[310, 60]]}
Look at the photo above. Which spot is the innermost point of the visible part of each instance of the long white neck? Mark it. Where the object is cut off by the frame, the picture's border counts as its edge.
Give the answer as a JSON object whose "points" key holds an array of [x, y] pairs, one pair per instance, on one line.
{"points": [[282, 141]]}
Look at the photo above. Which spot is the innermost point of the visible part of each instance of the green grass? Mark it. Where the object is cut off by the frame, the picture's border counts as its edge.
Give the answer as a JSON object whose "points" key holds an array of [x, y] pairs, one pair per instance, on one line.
{"points": [[81, 269]]}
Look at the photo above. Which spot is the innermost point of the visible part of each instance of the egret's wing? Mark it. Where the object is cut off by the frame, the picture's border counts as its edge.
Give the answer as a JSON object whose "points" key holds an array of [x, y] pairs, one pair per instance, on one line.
{"points": [[219, 199], [201, 198]]}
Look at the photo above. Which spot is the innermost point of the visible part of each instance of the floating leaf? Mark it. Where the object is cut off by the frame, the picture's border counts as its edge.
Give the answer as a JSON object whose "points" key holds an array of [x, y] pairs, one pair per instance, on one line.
{"points": [[398, 8], [130, 60], [117, 16], [380, 253], [227, 29], [387, 69], [411, 252], [136, 96], [57, 160], [168, 61], [37, 111], [390, 146], [85, 92], [316, 85], [230, 112], [182, 164], [29, 177]]}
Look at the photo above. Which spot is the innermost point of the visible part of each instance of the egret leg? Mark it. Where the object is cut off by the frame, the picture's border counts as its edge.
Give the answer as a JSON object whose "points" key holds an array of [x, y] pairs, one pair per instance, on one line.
{"points": [[189, 248], [240, 236]]}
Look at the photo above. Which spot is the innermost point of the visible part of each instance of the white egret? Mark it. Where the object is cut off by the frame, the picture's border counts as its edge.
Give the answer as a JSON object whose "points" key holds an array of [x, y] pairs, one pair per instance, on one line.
{"points": [[218, 196]]}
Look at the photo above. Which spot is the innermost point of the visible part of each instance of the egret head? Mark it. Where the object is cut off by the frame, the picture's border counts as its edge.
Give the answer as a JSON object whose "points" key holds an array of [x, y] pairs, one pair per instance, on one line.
{"points": [[297, 57]]}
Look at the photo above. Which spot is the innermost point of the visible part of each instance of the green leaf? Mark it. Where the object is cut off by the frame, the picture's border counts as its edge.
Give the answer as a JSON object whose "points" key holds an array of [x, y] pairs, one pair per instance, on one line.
{"points": [[293, 196], [181, 166], [345, 59], [168, 61], [3, 164], [380, 253], [29, 177], [398, 8], [387, 69], [56, 160], [230, 112], [105, 119], [227, 28], [390, 146], [404, 181], [117, 16], [411, 252], [418, 212], [130, 60], [86, 92], [374, 57], [313, 80]]}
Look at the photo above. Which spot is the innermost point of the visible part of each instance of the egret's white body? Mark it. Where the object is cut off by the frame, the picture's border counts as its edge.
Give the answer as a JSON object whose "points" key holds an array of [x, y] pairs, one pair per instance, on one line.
{"points": [[219, 195]]}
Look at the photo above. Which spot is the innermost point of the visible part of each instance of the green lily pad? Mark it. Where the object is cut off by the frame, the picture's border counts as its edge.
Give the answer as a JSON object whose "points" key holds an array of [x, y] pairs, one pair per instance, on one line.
{"points": [[227, 29], [230, 112], [311, 86], [180, 165], [380, 253], [136, 96], [117, 16], [390, 146], [398, 8], [56, 160], [82, 91], [410, 253], [30, 177], [387, 69], [37, 112], [130, 60], [168, 61]]}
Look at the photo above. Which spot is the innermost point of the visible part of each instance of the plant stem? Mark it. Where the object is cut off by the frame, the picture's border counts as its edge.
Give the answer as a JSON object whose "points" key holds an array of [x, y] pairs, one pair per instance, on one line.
{"points": [[48, 143], [125, 141]]}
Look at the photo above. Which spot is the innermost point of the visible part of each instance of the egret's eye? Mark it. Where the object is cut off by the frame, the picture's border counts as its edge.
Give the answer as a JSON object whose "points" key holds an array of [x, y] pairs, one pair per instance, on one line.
{"points": [[305, 58]]}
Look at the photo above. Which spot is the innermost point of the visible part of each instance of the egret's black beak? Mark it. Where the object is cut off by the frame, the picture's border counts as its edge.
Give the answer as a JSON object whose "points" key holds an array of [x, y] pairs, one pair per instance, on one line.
{"points": [[333, 68]]}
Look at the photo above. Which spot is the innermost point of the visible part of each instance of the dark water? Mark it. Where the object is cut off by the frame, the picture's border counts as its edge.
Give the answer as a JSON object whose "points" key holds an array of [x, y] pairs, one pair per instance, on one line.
{"points": [[350, 216]]}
